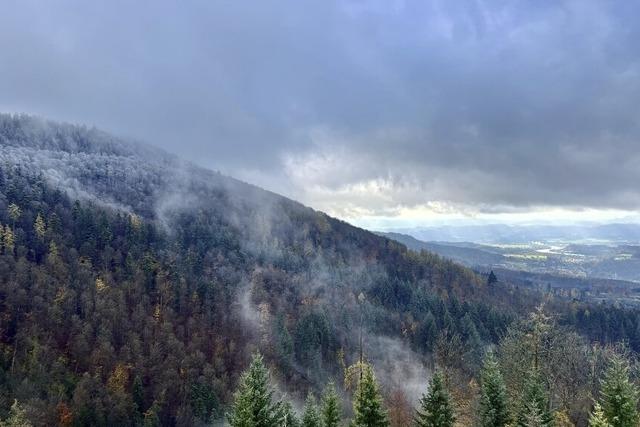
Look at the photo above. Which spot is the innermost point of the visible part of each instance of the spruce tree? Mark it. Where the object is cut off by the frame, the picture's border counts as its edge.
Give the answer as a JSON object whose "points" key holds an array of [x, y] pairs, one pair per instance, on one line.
{"points": [[331, 407], [598, 418], [436, 409], [619, 395], [494, 409], [253, 404], [367, 406], [311, 416], [287, 415], [534, 407]]}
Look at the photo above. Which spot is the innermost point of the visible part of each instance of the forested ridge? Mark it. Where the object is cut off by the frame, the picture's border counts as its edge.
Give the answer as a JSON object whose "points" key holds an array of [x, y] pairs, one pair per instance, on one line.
{"points": [[134, 289]]}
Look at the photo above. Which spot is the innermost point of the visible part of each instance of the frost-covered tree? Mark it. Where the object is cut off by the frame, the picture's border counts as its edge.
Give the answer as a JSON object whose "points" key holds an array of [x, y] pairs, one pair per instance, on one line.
{"points": [[14, 212]]}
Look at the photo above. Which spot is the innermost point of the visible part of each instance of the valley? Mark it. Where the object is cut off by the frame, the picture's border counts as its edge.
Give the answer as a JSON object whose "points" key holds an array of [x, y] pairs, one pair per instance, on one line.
{"points": [[586, 269]]}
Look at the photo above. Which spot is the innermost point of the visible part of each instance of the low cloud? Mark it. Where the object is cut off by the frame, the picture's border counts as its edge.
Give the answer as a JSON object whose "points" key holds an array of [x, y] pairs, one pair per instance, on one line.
{"points": [[360, 109]]}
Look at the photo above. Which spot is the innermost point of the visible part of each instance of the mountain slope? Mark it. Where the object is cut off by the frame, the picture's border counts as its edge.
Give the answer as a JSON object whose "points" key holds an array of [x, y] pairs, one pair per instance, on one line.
{"points": [[139, 282], [466, 255], [135, 285]]}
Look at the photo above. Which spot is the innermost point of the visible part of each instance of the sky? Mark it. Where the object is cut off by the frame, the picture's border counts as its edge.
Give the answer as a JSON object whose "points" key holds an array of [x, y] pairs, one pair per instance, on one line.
{"points": [[384, 113]]}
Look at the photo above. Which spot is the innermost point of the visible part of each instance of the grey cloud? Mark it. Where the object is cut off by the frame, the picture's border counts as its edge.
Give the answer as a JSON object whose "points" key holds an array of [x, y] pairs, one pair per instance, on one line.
{"points": [[353, 106]]}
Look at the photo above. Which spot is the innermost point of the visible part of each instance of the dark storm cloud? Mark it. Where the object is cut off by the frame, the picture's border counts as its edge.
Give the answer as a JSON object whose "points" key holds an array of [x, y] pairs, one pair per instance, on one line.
{"points": [[364, 106]]}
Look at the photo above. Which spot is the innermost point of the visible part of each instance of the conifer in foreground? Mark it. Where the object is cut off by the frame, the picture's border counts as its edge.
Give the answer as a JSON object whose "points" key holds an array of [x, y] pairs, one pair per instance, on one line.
{"points": [[494, 409], [534, 407], [253, 404], [331, 407], [597, 417], [619, 395], [435, 409], [311, 416], [367, 405]]}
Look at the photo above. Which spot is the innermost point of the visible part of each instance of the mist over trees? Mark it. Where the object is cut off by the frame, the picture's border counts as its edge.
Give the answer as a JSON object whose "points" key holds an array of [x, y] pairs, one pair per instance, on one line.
{"points": [[134, 290]]}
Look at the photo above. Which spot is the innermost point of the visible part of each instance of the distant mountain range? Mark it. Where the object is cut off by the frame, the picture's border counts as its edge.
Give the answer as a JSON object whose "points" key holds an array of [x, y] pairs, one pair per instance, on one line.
{"points": [[506, 233]]}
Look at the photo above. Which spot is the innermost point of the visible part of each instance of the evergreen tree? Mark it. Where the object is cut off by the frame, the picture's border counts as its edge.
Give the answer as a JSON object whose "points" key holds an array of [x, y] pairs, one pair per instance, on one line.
{"points": [[619, 395], [598, 418], [331, 407], [534, 407], [492, 278], [367, 406], [494, 410], [435, 409], [287, 415], [17, 417], [311, 416], [253, 404]]}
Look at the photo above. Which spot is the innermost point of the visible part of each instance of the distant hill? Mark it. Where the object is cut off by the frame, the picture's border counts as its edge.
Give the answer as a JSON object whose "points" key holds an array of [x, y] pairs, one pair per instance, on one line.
{"points": [[465, 253]]}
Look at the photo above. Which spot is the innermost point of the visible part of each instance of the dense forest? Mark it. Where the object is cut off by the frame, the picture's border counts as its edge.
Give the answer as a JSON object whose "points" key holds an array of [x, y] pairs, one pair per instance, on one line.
{"points": [[135, 288]]}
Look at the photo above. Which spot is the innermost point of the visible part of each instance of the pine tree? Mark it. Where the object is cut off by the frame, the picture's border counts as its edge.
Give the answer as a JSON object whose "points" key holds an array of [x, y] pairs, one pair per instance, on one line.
{"points": [[253, 404], [311, 416], [435, 409], [367, 406], [17, 417], [619, 395], [534, 407], [494, 410], [331, 407], [597, 417]]}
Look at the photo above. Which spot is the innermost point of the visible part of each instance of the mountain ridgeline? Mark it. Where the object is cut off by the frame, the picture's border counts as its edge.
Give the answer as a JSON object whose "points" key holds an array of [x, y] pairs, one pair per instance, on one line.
{"points": [[134, 287]]}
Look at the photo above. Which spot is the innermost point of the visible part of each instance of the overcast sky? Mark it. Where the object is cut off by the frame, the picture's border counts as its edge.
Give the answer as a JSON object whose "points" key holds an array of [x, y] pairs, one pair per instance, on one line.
{"points": [[386, 111]]}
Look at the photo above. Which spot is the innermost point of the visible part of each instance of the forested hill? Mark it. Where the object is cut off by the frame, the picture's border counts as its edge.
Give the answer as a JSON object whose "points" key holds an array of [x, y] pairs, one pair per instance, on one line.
{"points": [[135, 286]]}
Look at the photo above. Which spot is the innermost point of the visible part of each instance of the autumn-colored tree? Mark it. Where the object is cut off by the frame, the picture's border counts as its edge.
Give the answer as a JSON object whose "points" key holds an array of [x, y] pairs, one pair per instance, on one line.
{"points": [[39, 227], [17, 417], [400, 410]]}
